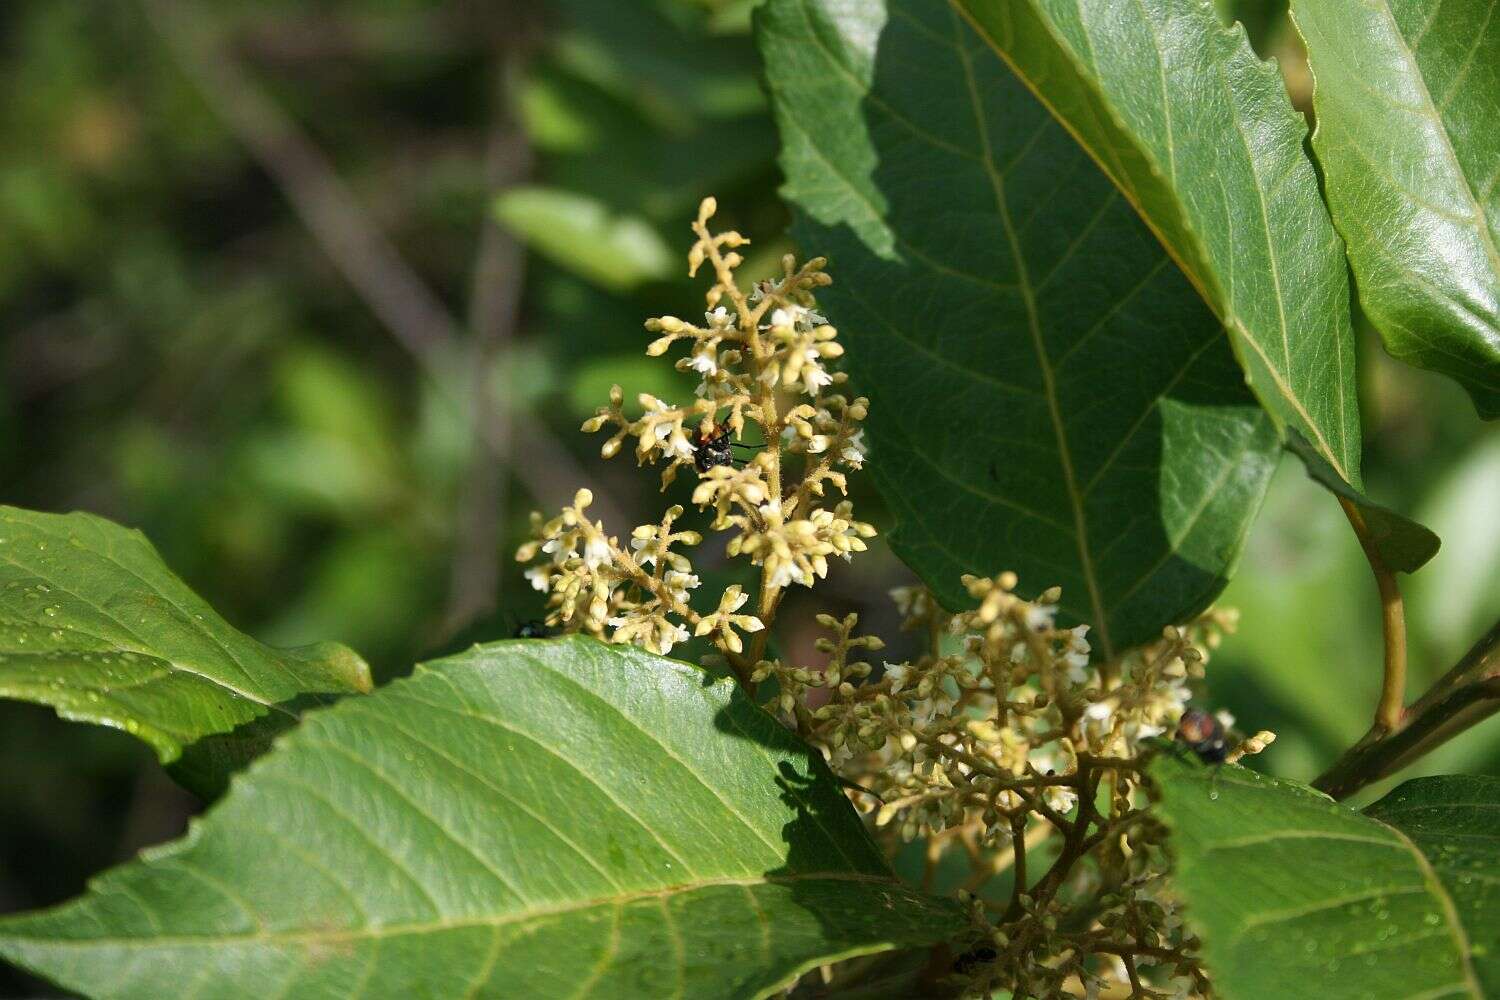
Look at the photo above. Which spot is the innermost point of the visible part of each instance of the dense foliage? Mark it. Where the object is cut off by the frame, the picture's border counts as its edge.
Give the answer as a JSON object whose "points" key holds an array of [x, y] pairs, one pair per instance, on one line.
{"points": [[1072, 308]]}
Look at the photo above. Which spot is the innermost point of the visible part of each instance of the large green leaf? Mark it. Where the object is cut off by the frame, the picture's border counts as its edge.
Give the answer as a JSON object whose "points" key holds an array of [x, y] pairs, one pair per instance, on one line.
{"points": [[1048, 393], [1201, 139], [1286, 886], [528, 819], [1408, 103], [1454, 820], [93, 624]]}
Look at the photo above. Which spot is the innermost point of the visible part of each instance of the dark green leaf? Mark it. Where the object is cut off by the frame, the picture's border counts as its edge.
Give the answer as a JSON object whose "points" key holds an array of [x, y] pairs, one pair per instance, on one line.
{"points": [[530, 819], [1048, 394], [1200, 137], [1404, 544], [95, 625], [1408, 103], [1286, 886]]}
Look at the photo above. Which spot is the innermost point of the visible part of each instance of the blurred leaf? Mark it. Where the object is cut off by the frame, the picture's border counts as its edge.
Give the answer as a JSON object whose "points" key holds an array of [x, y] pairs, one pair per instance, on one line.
{"points": [[93, 624], [1451, 604], [671, 838], [1199, 136], [1407, 120], [1284, 885], [582, 235], [1048, 394], [636, 373]]}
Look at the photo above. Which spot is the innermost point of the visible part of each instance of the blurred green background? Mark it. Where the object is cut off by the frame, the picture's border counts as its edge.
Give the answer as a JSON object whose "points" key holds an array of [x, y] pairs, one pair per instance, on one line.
{"points": [[317, 294]]}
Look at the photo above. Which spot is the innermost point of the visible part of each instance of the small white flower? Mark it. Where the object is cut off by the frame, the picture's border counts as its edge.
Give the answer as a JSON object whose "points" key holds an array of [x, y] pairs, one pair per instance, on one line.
{"points": [[539, 577], [1039, 617], [784, 575], [1099, 711], [596, 552], [704, 363], [719, 320], [899, 674], [853, 452], [815, 377], [1226, 719]]}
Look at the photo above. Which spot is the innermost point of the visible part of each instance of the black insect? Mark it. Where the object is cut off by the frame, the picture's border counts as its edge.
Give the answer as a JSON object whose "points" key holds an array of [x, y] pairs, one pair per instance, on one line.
{"points": [[1203, 734], [715, 448], [534, 630]]}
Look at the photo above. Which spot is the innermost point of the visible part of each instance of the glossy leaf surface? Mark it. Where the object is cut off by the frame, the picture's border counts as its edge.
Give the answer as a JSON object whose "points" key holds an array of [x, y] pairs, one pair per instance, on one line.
{"points": [[1408, 106], [93, 624], [530, 819], [1048, 393], [1284, 885], [1199, 136]]}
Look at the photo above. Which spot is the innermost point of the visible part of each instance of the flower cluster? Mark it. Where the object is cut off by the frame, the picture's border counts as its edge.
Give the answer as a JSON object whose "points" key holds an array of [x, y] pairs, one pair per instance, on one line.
{"points": [[1008, 737], [763, 359]]}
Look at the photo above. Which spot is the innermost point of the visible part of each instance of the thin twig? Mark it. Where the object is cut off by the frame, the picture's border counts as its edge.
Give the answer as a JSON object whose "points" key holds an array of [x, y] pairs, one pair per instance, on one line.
{"points": [[494, 307], [1461, 698]]}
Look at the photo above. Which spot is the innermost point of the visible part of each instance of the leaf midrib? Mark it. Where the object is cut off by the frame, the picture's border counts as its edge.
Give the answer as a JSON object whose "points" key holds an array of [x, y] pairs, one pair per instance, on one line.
{"points": [[440, 926], [1128, 191], [1044, 363]]}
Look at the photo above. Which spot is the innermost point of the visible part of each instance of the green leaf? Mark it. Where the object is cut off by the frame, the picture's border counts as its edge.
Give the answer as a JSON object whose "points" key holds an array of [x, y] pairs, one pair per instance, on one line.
{"points": [[529, 819], [1200, 137], [1048, 394], [582, 235], [93, 624], [1404, 544], [1284, 885], [1407, 123], [1454, 820]]}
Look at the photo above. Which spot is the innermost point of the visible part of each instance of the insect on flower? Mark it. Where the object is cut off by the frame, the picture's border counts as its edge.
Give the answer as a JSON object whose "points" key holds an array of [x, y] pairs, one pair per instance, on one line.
{"points": [[714, 448], [1203, 734]]}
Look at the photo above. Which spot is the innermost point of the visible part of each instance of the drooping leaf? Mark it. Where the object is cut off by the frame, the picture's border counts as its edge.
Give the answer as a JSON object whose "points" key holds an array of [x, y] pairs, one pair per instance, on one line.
{"points": [[1284, 886], [93, 624], [1406, 98], [1048, 393], [1199, 136], [1454, 820], [529, 819], [1404, 545]]}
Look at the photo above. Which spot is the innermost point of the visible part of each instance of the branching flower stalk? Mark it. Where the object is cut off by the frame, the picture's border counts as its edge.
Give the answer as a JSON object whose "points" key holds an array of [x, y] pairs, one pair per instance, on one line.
{"points": [[1006, 739]]}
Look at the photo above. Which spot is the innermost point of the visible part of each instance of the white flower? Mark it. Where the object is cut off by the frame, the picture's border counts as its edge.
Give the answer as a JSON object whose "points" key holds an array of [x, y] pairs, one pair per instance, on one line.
{"points": [[815, 377], [1226, 719], [704, 362], [853, 453], [1061, 798], [1039, 617], [596, 552], [719, 319], [899, 674], [669, 638], [784, 575], [540, 578], [1099, 711]]}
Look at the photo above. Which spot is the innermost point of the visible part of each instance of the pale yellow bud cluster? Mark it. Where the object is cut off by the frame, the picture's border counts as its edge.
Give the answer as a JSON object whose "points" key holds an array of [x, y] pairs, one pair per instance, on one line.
{"points": [[762, 357]]}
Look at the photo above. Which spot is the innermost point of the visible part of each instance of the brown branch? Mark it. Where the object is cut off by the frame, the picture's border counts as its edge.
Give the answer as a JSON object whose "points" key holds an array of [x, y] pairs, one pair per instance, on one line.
{"points": [[1466, 695]]}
